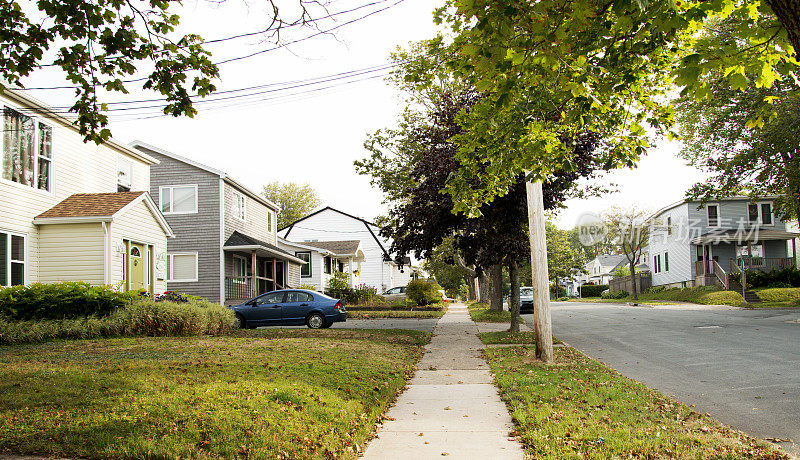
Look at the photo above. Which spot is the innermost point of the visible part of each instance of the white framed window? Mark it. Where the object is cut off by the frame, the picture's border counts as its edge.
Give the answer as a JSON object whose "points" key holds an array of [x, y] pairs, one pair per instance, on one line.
{"points": [[178, 199], [712, 212], [239, 269], [239, 206], [305, 270], [270, 221], [182, 266], [27, 153], [666, 261], [760, 213], [13, 259], [124, 174]]}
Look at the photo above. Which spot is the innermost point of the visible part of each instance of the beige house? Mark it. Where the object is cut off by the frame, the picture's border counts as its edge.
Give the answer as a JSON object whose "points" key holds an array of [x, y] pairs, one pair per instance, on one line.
{"points": [[75, 211]]}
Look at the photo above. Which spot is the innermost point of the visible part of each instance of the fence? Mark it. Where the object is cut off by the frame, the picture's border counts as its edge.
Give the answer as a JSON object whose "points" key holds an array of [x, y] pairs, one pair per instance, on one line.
{"points": [[643, 281]]}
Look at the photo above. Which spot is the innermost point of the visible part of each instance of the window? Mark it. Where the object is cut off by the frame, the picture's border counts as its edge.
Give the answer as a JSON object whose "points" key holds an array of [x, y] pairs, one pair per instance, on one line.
{"points": [[239, 206], [760, 213], [182, 267], [271, 298], [179, 199], [752, 213], [766, 213], [124, 175], [666, 261], [758, 251], [305, 270], [669, 225], [657, 264], [12, 259], [298, 297], [327, 265], [21, 162], [712, 210], [269, 222], [239, 267], [135, 252]]}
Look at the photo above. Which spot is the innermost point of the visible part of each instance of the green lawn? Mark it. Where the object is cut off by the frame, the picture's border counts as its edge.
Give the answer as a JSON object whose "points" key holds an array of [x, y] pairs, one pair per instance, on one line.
{"points": [[278, 393], [377, 314], [711, 295], [480, 313], [625, 300], [578, 408], [505, 337]]}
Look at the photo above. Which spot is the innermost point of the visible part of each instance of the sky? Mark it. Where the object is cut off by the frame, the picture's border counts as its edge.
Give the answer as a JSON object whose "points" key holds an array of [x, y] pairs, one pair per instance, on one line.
{"points": [[315, 135]]}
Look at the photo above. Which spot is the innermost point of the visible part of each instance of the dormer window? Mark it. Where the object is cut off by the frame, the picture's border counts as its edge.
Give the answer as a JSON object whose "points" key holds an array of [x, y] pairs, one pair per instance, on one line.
{"points": [[27, 151]]}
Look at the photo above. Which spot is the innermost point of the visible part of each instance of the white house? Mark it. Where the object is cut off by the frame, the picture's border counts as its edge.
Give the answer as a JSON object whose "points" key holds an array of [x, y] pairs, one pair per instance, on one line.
{"points": [[327, 225], [323, 257], [74, 211], [600, 270]]}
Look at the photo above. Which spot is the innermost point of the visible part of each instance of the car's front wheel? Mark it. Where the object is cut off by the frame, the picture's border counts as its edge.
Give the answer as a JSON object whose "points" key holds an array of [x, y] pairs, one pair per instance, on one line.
{"points": [[315, 321], [238, 322]]}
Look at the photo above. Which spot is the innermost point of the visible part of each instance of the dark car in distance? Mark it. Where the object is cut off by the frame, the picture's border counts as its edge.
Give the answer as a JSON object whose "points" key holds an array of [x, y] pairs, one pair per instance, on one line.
{"points": [[526, 300], [290, 307]]}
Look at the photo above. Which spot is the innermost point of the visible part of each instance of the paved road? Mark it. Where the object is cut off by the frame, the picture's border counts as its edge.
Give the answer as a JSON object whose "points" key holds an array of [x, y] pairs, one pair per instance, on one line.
{"points": [[741, 366]]}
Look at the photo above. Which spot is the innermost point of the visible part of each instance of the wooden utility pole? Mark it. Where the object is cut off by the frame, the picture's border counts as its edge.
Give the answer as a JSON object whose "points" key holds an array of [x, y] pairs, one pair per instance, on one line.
{"points": [[542, 327]]}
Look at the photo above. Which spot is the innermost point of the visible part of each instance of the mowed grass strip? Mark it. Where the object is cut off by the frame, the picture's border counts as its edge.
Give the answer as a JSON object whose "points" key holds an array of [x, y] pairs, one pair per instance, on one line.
{"points": [[273, 394], [480, 313], [578, 408], [506, 338], [379, 314]]}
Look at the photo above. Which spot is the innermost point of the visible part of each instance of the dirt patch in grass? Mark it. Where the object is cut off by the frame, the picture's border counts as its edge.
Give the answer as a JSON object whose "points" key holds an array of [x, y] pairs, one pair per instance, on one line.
{"points": [[578, 408], [505, 337], [266, 393]]}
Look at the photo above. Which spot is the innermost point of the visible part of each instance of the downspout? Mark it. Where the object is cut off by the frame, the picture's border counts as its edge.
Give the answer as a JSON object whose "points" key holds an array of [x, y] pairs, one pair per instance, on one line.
{"points": [[106, 252], [221, 242]]}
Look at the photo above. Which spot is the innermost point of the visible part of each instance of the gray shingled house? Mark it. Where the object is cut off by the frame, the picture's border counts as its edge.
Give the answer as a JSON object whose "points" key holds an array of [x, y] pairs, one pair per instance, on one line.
{"points": [[225, 246]]}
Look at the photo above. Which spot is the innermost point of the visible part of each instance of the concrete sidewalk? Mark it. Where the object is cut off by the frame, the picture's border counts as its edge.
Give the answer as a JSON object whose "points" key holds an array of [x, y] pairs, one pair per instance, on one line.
{"points": [[451, 407]]}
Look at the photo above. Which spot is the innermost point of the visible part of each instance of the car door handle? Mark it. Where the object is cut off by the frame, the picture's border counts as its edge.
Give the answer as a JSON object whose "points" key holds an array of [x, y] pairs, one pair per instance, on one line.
{"points": [[276, 306], [303, 304]]}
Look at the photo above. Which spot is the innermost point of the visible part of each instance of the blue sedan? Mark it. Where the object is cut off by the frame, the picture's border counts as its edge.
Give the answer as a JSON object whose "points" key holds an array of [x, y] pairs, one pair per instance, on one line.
{"points": [[290, 307]]}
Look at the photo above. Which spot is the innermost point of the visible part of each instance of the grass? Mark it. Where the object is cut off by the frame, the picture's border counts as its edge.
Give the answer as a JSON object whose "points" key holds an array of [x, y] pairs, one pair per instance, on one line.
{"points": [[480, 313], [505, 337], [625, 300], [378, 314], [578, 408], [267, 393]]}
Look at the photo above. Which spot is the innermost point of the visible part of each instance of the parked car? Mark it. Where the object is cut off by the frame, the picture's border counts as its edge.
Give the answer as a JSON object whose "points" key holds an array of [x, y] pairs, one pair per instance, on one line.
{"points": [[526, 300], [290, 307], [395, 293], [444, 296]]}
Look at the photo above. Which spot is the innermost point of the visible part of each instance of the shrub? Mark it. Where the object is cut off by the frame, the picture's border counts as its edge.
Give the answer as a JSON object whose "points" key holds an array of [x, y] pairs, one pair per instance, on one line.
{"points": [[308, 287], [706, 295], [558, 290], [422, 292], [141, 317], [779, 295], [592, 290], [60, 300], [620, 294]]}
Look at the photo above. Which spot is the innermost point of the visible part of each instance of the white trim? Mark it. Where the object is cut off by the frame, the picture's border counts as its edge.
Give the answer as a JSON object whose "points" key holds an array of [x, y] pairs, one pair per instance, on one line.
{"points": [[71, 220], [277, 254], [36, 120], [170, 266], [719, 215], [25, 255], [172, 199], [240, 202], [122, 160], [221, 241], [759, 215]]}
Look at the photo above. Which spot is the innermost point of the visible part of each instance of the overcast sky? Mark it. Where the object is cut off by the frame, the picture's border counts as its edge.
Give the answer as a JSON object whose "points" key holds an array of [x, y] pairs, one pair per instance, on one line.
{"points": [[315, 134]]}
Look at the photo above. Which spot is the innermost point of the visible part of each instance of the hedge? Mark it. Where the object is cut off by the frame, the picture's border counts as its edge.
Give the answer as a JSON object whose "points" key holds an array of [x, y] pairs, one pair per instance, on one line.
{"points": [[60, 300], [592, 290], [706, 295], [422, 292], [779, 295], [141, 317]]}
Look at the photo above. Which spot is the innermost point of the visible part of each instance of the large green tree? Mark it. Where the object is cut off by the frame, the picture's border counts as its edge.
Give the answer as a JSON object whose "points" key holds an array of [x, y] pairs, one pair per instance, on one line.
{"points": [[295, 200]]}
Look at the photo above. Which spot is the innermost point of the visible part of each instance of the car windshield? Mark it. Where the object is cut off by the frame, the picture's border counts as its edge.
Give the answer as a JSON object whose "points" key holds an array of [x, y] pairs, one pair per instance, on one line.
{"points": [[319, 294], [526, 292]]}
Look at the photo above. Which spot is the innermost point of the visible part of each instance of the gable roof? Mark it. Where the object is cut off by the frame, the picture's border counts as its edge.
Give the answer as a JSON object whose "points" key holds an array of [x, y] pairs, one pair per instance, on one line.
{"points": [[99, 207], [40, 109], [610, 260], [344, 247], [366, 223], [720, 200], [240, 240], [222, 174]]}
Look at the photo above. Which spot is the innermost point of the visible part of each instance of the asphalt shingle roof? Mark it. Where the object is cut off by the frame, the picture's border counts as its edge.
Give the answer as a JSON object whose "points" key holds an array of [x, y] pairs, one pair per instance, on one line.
{"points": [[240, 239], [91, 205], [336, 247]]}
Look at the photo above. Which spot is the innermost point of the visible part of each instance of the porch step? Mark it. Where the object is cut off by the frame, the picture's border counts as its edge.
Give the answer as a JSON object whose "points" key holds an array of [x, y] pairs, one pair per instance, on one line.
{"points": [[751, 297]]}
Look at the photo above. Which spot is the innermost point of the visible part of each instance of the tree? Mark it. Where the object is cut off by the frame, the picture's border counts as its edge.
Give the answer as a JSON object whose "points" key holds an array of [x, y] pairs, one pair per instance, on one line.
{"points": [[630, 231], [741, 157], [295, 200], [103, 44], [441, 265], [565, 258]]}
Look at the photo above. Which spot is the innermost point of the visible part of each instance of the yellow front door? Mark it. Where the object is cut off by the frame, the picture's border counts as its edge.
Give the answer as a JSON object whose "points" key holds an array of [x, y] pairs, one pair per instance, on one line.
{"points": [[136, 264]]}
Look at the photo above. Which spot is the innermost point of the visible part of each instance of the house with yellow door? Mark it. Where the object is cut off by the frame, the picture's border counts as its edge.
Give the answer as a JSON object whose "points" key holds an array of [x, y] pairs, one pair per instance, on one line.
{"points": [[75, 211]]}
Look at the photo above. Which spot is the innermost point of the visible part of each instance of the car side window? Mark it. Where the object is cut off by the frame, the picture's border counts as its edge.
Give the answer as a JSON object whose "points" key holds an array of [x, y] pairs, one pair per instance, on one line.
{"points": [[393, 291], [305, 297], [402, 290], [274, 297]]}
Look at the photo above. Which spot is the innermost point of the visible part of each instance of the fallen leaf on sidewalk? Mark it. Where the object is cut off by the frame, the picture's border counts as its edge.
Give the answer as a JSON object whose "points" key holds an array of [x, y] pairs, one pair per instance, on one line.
{"points": [[420, 434], [444, 454], [447, 408], [778, 440]]}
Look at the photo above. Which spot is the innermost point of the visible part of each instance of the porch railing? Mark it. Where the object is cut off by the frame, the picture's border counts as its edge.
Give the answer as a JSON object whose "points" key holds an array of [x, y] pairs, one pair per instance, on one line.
{"points": [[720, 274], [762, 264], [238, 287]]}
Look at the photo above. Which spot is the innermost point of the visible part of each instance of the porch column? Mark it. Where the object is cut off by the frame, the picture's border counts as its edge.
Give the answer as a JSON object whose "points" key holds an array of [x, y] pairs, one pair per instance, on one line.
{"points": [[710, 258], [350, 268], [254, 271], [794, 253], [274, 274], [749, 253], [705, 260]]}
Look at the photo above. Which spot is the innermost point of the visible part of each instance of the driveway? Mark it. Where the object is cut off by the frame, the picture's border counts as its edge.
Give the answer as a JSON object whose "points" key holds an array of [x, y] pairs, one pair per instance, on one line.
{"points": [[741, 366]]}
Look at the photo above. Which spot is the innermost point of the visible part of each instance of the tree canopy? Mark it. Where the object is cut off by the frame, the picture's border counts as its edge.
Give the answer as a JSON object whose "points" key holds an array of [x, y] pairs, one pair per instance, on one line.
{"points": [[295, 200]]}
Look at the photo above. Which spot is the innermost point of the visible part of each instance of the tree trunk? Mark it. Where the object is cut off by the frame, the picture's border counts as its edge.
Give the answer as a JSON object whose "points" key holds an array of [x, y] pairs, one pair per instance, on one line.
{"points": [[471, 294], [514, 305], [497, 288], [788, 13], [634, 292], [542, 325], [483, 287]]}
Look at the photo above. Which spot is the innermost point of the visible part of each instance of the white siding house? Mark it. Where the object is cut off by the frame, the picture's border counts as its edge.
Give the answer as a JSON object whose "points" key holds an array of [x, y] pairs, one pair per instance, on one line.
{"points": [[71, 210], [323, 257], [377, 269]]}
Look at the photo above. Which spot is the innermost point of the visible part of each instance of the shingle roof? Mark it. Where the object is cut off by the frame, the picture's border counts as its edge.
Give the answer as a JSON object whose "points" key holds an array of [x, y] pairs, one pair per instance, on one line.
{"points": [[240, 239], [336, 247], [611, 260], [91, 205]]}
